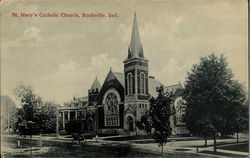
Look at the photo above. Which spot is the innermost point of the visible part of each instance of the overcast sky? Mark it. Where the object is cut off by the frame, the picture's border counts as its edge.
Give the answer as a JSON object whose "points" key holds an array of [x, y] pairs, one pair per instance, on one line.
{"points": [[60, 57]]}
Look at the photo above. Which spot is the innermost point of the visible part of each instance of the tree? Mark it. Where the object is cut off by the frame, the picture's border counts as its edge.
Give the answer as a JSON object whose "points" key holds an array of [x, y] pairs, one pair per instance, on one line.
{"points": [[47, 115], [159, 114], [28, 120], [212, 97], [27, 116], [145, 123], [34, 116], [205, 128], [241, 123]]}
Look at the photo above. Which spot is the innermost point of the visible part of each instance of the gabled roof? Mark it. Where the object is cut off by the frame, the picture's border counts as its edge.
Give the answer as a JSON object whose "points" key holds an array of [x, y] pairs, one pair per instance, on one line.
{"points": [[130, 109], [96, 85], [120, 77], [178, 92], [152, 83], [115, 75], [177, 89], [173, 88]]}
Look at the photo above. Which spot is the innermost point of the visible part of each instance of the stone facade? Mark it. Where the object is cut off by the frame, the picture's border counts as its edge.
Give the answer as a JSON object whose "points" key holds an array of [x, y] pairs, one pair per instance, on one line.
{"points": [[116, 105]]}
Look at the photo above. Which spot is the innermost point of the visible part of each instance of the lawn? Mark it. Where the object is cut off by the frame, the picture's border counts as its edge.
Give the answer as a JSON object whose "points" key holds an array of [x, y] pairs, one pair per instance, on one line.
{"points": [[144, 139], [73, 150], [221, 154], [136, 137], [243, 147]]}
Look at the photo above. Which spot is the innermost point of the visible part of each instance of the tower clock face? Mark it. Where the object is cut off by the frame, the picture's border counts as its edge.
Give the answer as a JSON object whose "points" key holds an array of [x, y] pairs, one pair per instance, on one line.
{"points": [[111, 102]]}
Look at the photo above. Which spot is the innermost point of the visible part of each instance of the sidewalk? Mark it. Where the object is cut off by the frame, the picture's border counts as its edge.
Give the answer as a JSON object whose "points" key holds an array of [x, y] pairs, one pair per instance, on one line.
{"points": [[173, 149]]}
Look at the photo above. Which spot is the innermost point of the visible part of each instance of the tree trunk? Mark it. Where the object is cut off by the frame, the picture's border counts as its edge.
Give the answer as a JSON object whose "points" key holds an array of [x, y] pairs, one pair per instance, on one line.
{"points": [[237, 134], [162, 151], [215, 148], [205, 140], [30, 146]]}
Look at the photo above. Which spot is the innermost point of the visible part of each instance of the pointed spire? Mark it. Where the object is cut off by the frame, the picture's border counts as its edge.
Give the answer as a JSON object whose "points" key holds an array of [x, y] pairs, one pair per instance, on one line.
{"points": [[180, 85], [135, 47], [96, 85]]}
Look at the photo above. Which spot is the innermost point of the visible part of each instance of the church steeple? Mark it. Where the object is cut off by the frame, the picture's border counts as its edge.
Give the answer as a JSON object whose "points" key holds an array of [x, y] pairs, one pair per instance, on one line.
{"points": [[135, 77], [135, 47], [135, 69]]}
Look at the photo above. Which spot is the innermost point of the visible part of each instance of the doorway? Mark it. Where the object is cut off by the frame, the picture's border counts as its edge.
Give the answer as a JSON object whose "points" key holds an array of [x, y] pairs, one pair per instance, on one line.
{"points": [[130, 123]]}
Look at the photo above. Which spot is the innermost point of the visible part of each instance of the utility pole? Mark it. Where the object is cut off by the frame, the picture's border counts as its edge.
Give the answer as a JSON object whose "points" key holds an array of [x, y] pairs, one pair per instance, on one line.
{"points": [[57, 123], [8, 117]]}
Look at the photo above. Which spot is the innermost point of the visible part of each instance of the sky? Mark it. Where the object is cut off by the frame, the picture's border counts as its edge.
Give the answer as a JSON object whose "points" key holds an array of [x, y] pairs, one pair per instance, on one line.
{"points": [[61, 57]]}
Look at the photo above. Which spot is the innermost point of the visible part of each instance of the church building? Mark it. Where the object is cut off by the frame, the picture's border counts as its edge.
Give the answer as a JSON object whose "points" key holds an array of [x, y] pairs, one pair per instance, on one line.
{"points": [[115, 106]]}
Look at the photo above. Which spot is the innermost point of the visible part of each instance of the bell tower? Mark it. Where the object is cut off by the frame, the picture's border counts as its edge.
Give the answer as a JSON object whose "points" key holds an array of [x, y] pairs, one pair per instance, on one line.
{"points": [[136, 73]]}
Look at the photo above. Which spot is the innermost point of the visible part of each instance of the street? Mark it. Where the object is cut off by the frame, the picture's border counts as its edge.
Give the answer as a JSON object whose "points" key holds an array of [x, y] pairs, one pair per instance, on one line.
{"points": [[53, 147]]}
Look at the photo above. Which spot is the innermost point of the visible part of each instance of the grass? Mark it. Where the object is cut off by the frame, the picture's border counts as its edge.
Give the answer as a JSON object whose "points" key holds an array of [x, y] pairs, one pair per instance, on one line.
{"points": [[136, 137], [73, 150], [221, 154], [149, 139], [242, 147], [218, 144]]}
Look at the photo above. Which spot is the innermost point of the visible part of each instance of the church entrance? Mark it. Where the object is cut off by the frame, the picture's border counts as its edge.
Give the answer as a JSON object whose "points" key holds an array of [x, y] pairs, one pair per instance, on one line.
{"points": [[130, 123]]}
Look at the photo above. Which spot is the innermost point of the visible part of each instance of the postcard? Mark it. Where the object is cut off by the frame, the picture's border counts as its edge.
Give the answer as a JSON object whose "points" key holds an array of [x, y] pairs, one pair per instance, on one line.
{"points": [[124, 78]]}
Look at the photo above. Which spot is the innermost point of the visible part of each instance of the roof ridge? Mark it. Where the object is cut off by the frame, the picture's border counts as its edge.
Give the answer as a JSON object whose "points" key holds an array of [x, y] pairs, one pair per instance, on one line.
{"points": [[96, 84], [173, 85]]}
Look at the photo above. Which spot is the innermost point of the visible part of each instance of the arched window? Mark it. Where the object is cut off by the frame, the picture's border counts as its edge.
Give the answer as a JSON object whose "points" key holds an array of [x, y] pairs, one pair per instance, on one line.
{"points": [[129, 83], [111, 110], [142, 83]]}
